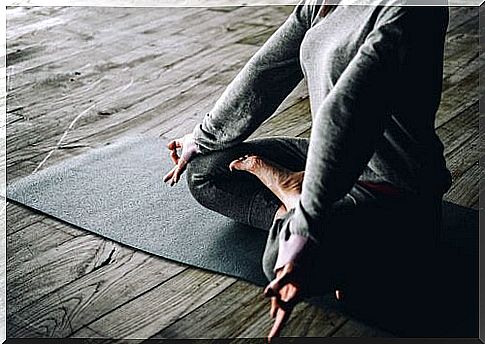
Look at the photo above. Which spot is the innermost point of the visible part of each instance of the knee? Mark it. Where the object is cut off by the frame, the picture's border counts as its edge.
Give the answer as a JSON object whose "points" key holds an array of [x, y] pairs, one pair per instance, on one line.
{"points": [[198, 177], [269, 261]]}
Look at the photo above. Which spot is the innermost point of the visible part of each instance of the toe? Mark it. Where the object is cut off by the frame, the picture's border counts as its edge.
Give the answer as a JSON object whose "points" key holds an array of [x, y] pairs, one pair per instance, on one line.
{"points": [[239, 164], [245, 163], [234, 165]]}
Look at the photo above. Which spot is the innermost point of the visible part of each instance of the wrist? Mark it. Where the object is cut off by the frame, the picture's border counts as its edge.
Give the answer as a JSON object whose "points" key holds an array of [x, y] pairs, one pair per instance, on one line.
{"points": [[290, 250], [191, 148]]}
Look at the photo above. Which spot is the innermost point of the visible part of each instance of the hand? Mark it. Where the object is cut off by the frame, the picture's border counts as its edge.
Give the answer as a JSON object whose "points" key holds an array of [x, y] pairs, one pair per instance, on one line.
{"points": [[189, 150], [285, 293]]}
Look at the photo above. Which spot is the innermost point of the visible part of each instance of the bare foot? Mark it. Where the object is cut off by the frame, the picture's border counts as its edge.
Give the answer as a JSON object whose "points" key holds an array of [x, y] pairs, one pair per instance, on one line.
{"points": [[285, 184]]}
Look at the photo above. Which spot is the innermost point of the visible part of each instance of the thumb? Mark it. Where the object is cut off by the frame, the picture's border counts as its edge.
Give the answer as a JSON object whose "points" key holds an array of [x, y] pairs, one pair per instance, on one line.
{"points": [[279, 282]]}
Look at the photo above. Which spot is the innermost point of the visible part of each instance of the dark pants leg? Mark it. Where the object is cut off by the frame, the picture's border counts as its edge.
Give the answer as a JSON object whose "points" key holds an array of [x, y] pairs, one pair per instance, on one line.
{"points": [[240, 195]]}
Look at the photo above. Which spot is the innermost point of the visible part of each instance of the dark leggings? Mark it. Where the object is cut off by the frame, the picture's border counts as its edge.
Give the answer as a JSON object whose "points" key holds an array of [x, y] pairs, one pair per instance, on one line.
{"points": [[362, 230], [240, 195]]}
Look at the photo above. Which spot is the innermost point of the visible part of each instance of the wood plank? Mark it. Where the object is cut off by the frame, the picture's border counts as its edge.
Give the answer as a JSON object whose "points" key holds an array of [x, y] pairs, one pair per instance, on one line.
{"points": [[291, 122], [461, 43], [89, 334], [45, 272], [37, 126], [457, 98], [241, 311], [161, 306], [170, 36], [224, 316], [464, 190], [109, 25], [120, 275], [464, 157], [464, 126], [460, 15], [136, 114], [273, 18], [15, 323], [119, 65], [19, 217], [355, 328], [25, 244], [306, 321], [315, 321]]}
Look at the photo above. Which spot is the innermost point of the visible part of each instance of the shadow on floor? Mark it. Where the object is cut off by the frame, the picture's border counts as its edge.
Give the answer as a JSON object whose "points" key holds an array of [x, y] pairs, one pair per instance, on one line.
{"points": [[431, 294]]}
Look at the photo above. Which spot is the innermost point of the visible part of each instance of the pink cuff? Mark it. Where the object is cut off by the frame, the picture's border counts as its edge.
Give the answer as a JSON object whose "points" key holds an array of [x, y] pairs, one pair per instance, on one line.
{"points": [[289, 250], [191, 149]]}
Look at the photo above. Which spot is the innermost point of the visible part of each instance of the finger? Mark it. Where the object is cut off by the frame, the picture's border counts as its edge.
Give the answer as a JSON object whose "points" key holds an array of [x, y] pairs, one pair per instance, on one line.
{"points": [[180, 169], [274, 307], [174, 156], [338, 294], [287, 298], [171, 145], [172, 180], [289, 293], [174, 144], [281, 318], [275, 285], [169, 175]]}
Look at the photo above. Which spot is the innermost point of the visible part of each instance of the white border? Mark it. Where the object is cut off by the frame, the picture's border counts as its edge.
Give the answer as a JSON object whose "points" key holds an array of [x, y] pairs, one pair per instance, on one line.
{"points": [[3, 177], [220, 3]]}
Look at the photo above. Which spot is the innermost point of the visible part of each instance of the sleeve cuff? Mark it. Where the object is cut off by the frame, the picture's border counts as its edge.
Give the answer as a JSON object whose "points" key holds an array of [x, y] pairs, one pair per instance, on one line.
{"points": [[293, 237], [289, 250], [197, 133], [300, 223]]}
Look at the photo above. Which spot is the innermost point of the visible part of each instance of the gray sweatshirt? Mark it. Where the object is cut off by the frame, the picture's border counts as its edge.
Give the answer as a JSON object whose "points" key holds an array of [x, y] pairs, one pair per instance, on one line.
{"points": [[374, 76]]}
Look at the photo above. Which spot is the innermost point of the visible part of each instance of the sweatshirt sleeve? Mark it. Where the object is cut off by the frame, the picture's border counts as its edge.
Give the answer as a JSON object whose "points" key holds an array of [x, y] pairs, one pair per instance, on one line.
{"points": [[351, 120], [259, 88]]}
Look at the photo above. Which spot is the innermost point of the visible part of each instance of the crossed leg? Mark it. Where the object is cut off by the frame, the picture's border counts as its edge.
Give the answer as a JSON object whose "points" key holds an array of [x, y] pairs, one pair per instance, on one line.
{"points": [[252, 182]]}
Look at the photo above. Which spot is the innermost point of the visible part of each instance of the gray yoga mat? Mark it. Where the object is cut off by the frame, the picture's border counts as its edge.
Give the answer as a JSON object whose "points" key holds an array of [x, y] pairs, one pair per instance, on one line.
{"points": [[117, 192]]}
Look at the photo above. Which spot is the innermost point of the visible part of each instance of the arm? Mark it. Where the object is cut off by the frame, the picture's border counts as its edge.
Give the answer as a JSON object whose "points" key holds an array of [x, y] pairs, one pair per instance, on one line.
{"points": [[345, 129], [351, 120], [259, 88], [254, 94]]}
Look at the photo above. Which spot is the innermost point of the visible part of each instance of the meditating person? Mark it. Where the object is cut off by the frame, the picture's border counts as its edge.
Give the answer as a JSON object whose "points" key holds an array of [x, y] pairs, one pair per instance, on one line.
{"points": [[366, 188]]}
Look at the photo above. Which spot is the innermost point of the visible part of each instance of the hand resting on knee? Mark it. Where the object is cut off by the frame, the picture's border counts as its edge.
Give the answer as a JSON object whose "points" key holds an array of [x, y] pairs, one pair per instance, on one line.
{"points": [[189, 151]]}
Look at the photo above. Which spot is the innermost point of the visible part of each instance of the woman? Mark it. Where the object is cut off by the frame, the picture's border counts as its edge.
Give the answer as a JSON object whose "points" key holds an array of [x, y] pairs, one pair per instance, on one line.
{"points": [[368, 183]]}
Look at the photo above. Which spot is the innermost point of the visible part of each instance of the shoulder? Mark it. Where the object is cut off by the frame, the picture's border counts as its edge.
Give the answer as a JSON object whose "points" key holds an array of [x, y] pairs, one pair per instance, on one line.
{"points": [[405, 12], [306, 11]]}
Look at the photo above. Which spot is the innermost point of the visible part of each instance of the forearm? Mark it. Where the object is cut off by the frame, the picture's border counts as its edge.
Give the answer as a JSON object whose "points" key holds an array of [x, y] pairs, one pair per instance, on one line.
{"points": [[345, 130], [258, 89]]}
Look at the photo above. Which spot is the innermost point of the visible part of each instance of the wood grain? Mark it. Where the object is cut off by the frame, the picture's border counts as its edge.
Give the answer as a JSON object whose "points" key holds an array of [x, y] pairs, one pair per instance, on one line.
{"points": [[118, 276], [355, 328], [161, 306], [465, 189], [18, 217]]}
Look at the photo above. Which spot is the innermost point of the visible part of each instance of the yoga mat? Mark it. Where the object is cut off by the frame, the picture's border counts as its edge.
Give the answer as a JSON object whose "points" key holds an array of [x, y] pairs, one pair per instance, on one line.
{"points": [[117, 191]]}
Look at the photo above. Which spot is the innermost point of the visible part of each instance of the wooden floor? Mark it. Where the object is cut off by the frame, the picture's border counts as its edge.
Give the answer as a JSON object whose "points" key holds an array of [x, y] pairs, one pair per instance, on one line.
{"points": [[79, 78]]}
